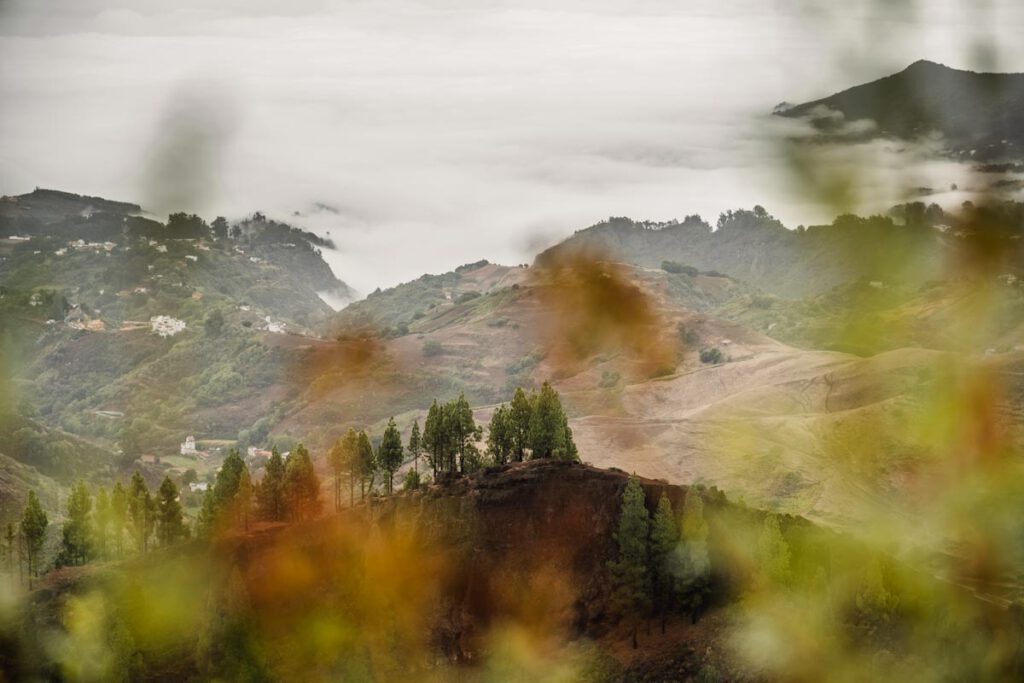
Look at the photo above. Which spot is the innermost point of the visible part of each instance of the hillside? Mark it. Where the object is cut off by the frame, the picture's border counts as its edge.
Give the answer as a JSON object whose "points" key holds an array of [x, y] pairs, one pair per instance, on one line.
{"points": [[979, 115], [753, 247], [135, 333], [801, 381], [796, 375], [506, 574]]}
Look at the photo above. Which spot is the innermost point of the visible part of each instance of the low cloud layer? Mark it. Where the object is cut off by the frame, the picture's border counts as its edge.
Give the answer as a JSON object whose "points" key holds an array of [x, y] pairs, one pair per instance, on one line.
{"points": [[439, 132]]}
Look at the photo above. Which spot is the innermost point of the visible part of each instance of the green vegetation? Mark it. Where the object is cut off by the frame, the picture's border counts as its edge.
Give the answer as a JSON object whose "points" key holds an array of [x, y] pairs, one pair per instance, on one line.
{"points": [[79, 320], [711, 356], [676, 268], [660, 562], [432, 348], [390, 454], [301, 486], [76, 540], [33, 532], [170, 524], [630, 569]]}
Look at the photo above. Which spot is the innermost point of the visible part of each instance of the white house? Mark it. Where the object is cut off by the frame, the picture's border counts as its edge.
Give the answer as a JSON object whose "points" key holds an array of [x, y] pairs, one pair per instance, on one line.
{"points": [[189, 447]]}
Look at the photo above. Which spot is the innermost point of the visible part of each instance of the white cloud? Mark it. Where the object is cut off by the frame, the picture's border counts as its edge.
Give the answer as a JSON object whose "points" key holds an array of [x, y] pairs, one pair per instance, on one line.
{"points": [[443, 130]]}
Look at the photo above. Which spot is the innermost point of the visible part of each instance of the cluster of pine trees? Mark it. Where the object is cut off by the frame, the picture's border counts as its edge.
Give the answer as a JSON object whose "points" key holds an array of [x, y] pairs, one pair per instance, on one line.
{"points": [[531, 426], [100, 526], [663, 564], [288, 491], [104, 525]]}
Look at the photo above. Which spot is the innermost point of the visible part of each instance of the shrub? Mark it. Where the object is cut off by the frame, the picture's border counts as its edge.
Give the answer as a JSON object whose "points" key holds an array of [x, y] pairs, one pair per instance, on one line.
{"points": [[676, 268], [711, 356], [467, 296], [432, 348], [609, 380], [686, 335]]}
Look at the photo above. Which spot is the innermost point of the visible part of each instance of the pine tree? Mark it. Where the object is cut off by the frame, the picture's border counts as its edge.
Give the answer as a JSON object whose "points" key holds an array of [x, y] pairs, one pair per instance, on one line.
{"points": [[875, 603], [101, 523], [390, 453], [225, 485], [33, 532], [632, 582], [500, 437], [244, 498], [118, 516], [549, 434], [696, 578], [141, 512], [433, 438], [206, 522], [664, 566], [414, 446], [463, 428], [336, 459], [569, 450], [773, 551], [170, 526], [350, 445], [695, 533], [270, 494], [9, 549], [367, 463], [76, 534], [520, 413], [301, 485]]}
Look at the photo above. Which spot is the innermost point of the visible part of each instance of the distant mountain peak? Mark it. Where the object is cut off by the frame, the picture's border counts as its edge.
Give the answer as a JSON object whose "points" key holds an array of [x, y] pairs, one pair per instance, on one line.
{"points": [[928, 65], [979, 115]]}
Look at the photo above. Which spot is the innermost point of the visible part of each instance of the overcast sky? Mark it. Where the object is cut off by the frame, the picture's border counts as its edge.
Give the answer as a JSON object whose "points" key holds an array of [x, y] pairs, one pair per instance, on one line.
{"points": [[444, 131]]}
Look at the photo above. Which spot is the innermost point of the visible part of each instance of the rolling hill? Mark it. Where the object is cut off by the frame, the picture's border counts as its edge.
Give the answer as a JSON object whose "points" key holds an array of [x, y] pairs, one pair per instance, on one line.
{"points": [[262, 360]]}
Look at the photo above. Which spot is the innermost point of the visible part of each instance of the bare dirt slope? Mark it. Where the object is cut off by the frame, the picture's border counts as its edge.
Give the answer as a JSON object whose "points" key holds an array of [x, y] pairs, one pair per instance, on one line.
{"points": [[818, 433]]}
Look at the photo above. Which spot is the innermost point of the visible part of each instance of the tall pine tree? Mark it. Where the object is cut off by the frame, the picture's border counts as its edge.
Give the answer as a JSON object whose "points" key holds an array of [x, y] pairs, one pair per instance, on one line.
{"points": [[301, 485], [433, 437], [632, 583], [665, 570], [500, 435], [118, 517], [696, 576], [520, 413], [270, 493], [170, 525], [244, 498], [101, 523], [415, 446], [549, 433], [367, 463], [390, 453], [336, 459], [141, 512], [76, 534], [33, 533]]}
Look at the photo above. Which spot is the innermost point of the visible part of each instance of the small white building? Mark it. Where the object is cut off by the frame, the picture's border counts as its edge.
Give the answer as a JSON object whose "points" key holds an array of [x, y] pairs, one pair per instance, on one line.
{"points": [[189, 447]]}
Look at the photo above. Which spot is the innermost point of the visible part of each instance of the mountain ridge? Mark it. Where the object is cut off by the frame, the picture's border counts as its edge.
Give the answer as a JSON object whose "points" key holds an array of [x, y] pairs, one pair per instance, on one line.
{"points": [[979, 114]]}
